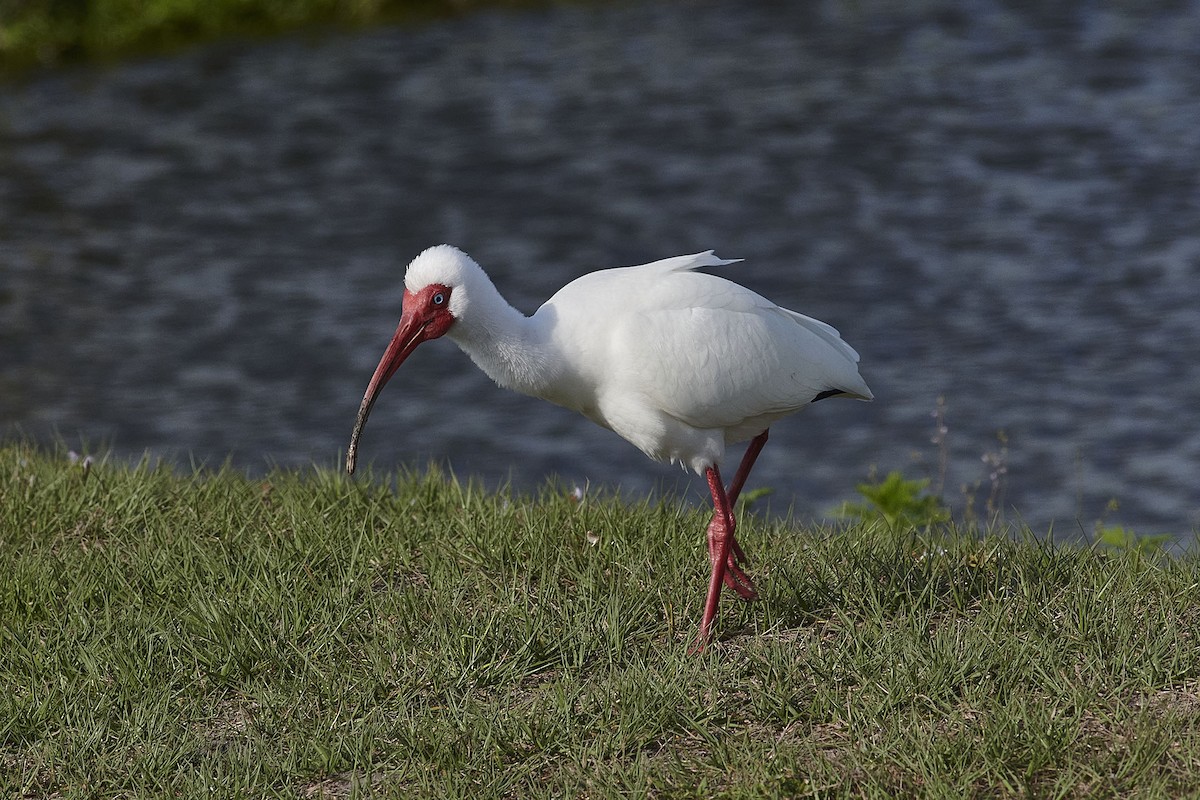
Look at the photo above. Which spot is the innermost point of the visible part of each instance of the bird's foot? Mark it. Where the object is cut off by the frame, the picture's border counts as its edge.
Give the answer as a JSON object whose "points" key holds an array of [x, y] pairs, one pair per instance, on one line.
{"points": [[735, 577]]}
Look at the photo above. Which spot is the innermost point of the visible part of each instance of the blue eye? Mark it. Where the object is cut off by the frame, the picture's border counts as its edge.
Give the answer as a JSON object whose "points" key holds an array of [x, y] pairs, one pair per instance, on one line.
{"points": [[439, 299]]}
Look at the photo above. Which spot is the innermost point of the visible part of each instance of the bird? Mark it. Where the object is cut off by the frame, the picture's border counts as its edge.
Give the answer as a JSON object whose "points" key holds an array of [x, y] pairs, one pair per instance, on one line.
{"points": [[680, 363]]}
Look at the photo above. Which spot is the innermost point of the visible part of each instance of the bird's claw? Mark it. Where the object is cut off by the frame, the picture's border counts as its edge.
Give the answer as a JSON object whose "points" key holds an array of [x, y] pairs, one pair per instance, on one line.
{"points": [[740, 582], [735, 577]]}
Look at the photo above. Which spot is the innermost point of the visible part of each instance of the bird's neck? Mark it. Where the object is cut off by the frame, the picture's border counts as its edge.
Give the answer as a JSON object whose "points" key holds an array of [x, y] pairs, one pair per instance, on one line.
{"points": [[511, 348]]}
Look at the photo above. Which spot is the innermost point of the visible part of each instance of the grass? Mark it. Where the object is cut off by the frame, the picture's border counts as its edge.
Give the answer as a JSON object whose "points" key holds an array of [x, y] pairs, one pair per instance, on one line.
{"points": [[52, 32], [303, 635]]}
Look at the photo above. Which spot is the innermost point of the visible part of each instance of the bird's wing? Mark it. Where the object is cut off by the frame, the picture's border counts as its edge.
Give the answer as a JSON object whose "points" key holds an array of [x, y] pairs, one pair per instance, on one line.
{"points": [[714, 354], [686, 263], [734, 296]]}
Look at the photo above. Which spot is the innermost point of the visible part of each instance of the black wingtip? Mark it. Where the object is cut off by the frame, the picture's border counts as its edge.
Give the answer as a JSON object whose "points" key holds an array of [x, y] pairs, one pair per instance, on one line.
{"points": [[827, 393]]}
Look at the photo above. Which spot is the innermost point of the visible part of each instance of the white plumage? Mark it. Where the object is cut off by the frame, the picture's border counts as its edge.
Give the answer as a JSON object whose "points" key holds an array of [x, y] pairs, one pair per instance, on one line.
{"points": [[677, 362]]}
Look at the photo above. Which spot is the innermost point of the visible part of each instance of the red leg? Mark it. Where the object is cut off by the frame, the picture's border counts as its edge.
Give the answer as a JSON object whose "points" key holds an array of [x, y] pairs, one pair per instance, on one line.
{"points": [[735, 577], [735, 489], [720, 535], [724, 553], [739, 480]]}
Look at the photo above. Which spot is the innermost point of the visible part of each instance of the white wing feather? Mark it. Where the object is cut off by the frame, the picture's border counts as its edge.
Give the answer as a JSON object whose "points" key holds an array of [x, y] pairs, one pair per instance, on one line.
{"points": [[703, 350]]}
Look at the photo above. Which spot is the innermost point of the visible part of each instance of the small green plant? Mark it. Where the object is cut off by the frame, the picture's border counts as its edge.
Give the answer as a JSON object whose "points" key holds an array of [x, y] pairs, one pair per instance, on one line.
{"points": [[1121, 538], [898, 501], [1118, 537], [748, 498]]}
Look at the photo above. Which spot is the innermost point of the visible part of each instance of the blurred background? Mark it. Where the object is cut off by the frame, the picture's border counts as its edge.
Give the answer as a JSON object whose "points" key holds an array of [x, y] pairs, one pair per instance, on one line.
{"points": [[998, 204]]}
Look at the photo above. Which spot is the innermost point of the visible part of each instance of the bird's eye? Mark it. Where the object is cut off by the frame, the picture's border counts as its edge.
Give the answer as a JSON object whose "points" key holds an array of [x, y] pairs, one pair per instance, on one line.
{"points": [[439, 299]]}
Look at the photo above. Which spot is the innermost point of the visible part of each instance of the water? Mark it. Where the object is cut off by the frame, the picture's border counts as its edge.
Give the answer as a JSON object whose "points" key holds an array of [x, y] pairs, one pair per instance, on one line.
{"points": [[201, 256]]}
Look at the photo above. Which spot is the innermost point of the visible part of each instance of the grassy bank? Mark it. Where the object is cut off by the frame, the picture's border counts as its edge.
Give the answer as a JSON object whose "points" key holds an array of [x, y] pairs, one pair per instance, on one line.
{"points": [[303, 635], [50, 32]]}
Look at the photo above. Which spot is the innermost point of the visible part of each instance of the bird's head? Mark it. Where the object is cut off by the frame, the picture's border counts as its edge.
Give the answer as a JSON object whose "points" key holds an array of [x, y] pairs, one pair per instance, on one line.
{"points": [[435, 297]]}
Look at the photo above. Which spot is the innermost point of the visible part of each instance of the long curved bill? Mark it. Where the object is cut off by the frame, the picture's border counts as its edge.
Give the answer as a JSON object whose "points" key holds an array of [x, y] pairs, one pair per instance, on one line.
{"points": [[409, 333]]}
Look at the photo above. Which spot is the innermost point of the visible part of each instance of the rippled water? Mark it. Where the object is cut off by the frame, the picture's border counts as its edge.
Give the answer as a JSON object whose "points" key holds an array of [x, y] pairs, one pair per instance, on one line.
{"points": [[202, 255]]}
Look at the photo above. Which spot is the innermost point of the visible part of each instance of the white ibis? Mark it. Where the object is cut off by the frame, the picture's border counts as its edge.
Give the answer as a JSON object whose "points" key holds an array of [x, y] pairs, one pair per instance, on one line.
{"points": [[679, 363]]}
